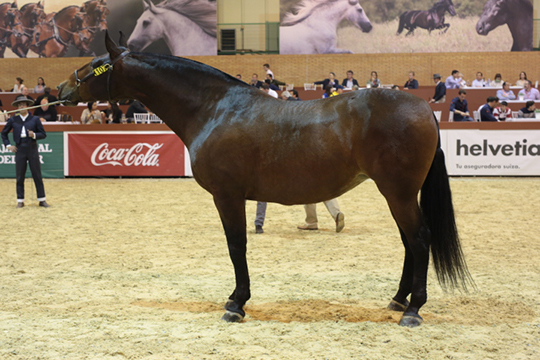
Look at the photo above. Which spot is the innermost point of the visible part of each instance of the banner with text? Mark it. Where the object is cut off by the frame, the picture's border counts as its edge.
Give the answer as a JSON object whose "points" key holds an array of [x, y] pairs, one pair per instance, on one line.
{"points": [[51, 156], [124, 154], [493, 153]]}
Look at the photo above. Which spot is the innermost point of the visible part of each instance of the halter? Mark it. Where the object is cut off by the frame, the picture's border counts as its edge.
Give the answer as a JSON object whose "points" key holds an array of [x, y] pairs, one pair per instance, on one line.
{"points": [[102, 69]]}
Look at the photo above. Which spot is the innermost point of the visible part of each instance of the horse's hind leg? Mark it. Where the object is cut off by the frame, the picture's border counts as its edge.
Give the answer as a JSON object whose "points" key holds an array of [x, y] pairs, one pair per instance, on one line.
{"points": [[232, 212]]}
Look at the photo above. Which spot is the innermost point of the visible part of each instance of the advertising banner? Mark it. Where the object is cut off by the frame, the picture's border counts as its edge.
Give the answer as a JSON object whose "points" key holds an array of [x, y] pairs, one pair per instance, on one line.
{"points": [[51, 156], [124, 154], [493, 153]]}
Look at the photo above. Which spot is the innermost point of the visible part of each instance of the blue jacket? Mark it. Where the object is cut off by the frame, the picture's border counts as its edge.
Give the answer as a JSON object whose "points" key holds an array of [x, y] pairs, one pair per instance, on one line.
{"points": [[440, 91], [486, 114], [16, 124], [458, 105]]}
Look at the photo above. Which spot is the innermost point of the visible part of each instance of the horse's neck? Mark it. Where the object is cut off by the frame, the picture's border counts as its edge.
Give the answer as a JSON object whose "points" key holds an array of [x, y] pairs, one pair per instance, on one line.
{"points": [[521, 29], [329, 16], [181, 33]]}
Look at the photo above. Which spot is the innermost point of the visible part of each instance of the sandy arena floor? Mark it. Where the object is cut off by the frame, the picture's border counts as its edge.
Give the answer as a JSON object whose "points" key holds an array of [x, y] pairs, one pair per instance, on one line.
{"points": [[139, 269]]}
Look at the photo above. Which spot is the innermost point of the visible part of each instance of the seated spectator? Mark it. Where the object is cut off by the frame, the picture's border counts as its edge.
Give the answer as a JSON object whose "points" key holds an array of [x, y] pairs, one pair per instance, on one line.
{"points": [[528, 92], [46, 112], [266, 88], [479, 81], [24, 91], [497, 81], [46, 95], [285, 95], [453, 81], [486, 111], [503, 111], [460, 107], [330, 81], [337, 91], [349, 81], [374, 80], [18, 85], [528, 110], [294, 95], [270, 80], [440, 90], [136, 107], [328, 90], [522, 79], [412, 83], [40, 87], [91, 115], [395, 87], [505, 93], [112, 114], [239, 76], [255, 81], [270, 85]]}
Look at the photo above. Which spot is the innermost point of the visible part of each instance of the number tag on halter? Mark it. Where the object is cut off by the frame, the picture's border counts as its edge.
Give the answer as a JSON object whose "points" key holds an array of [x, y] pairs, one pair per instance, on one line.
{"points": [[102, 69]]}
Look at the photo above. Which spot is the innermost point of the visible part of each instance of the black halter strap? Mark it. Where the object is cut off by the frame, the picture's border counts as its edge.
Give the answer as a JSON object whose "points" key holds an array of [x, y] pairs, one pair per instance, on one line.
{"points": [[102, 69]]}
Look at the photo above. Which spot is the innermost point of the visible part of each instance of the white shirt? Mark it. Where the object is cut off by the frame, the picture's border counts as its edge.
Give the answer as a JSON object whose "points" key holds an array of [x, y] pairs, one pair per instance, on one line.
{"points": [[23, 131], [270, 72], [272, 93], [478, 83]]}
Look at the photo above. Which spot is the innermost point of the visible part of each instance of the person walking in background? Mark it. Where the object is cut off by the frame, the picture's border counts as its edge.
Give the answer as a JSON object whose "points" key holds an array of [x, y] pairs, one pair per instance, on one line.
{"points": [[260, 216], [26, 130], [412, 83], [440, 90], [311, 222]]}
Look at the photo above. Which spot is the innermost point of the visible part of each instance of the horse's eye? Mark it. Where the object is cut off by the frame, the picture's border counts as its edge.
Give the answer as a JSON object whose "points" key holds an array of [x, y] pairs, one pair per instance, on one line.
{"points": [[145, 23]]}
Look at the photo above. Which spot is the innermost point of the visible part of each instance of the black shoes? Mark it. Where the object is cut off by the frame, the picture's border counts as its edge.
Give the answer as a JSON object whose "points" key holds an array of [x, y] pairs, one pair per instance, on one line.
{"points": [[258, 229], [20, 205], [43, 204]]}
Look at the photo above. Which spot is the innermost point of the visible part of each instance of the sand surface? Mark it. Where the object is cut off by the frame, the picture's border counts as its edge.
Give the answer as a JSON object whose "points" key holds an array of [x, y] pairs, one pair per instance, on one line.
{"points": [[139, 269]]}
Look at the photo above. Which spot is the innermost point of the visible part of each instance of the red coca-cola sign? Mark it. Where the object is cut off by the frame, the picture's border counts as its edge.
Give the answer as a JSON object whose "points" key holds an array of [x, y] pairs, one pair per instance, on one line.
{"points": [[124, 154]]}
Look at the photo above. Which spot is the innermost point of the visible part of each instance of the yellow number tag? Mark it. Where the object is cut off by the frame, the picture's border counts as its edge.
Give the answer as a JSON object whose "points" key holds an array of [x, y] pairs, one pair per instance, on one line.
{"points": [[101, 69]]}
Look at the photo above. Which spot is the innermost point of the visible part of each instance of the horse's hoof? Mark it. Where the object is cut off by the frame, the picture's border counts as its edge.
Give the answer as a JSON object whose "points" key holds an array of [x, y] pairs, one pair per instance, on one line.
{"points": [[411, 321], [395, 306], [230, 316]]}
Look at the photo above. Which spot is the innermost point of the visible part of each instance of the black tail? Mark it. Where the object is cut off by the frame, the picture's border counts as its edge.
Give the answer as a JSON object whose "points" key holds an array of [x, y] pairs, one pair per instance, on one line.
{"points": [[438, 211]]}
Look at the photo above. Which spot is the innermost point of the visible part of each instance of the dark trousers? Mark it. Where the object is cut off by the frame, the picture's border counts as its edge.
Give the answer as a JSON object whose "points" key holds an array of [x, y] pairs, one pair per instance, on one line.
{"points": [[27, 152]]}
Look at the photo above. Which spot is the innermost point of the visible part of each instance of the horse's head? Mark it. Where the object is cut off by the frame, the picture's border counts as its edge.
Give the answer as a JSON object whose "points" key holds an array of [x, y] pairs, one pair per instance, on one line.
{"points": [[148, 29], [357, 15], [450, 7], [494, 15], [95, 81]]}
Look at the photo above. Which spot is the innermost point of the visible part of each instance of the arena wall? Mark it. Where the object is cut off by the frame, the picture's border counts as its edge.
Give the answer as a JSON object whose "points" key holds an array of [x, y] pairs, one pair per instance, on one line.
{"points": [[299, 69]]}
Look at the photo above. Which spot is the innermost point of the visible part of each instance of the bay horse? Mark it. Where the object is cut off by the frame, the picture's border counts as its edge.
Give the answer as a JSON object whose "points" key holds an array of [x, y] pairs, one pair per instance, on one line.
{"points": [[7, 20], [95, 17], [244, 144], [188, 27], [427, 19], [60, 30], [28, 17], [517, 14], [312, 27]]}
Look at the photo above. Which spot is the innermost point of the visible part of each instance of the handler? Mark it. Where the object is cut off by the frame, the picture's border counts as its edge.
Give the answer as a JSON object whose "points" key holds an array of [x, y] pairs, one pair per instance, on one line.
{"points": [[26, 130]]}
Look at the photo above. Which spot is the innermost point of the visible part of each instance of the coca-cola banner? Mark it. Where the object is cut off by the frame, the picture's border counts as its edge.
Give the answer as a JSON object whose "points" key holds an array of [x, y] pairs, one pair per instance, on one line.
{"points": [[124, 154]]}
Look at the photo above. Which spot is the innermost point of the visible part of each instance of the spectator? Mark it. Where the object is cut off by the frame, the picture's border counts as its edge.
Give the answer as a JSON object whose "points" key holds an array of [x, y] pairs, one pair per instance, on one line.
{"points": [[46, 95], [91, 115], [349, 81], [440, 90], [40, 87], [294, 95], [479, 81], [285, 95], [486, 111], [453, 81], [270, 85], [136, 107], [332, 206], [374, 81], [503, 111], [528, 111], [395, 87], [266, 88], [18, 85], [255, 81], [522, 79], [46, 112], [270, 80], [460, 107], [497, 81], [24, 91], [266, 68], [239, 76], [112, 114], [330, 81], [528, 92], [412, 83], [328, 90], [505, 93]]}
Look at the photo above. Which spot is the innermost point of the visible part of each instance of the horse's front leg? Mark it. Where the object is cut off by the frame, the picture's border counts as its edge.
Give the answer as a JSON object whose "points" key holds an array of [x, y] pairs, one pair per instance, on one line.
{"points": [[232, 212], [447, 27]]}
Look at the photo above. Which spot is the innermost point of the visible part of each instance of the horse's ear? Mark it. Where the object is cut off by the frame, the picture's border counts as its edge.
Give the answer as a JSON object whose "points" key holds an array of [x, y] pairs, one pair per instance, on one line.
{"points": [[147, 4], [122, 40], [111, 46]]}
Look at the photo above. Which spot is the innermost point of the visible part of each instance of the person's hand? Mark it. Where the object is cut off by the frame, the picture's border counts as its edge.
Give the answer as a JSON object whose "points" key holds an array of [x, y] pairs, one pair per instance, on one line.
{"points": [[12, 148], [31, 134], [42, 120]]}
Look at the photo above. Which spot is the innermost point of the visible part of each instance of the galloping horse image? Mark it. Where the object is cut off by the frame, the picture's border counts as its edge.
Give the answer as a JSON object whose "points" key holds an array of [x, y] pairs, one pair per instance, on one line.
{"points": [[246, 145], [427, 19]]}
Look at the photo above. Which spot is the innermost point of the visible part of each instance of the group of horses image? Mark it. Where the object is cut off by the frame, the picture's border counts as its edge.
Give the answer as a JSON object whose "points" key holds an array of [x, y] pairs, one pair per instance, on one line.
{"points": [[50, 35], [311, 27]]}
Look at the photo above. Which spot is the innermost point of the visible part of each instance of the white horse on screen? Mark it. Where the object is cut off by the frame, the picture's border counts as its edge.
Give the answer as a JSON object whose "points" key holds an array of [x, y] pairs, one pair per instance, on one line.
{"points": [[188, 27], [313, 29]]}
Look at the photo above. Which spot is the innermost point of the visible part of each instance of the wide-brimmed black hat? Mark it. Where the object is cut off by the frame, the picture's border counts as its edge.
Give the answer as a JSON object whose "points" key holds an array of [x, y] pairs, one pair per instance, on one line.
{"points": [[22, 99], [436, 76]]}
